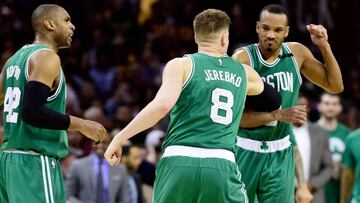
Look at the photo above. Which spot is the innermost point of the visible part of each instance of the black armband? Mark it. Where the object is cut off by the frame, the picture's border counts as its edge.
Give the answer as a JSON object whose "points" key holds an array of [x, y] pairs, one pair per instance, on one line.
{"points": [[268, 100], [35, 113]]}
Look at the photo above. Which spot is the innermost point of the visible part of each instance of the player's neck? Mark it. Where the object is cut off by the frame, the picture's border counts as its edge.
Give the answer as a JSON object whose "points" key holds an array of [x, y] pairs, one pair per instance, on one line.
{"points": [[48, 42], [329, 124], [212, 50], [269, 55]]}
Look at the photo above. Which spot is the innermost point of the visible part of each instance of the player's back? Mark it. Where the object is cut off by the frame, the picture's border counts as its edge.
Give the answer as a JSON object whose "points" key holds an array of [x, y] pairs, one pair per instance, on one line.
{"points": [[208, 111], [18, 134]]}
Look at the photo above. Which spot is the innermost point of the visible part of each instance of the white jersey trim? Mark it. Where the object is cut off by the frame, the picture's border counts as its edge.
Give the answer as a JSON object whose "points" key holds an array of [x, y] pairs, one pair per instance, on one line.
{"points": [[250, 57], [263, 61], [187, 81], [295, 64]]}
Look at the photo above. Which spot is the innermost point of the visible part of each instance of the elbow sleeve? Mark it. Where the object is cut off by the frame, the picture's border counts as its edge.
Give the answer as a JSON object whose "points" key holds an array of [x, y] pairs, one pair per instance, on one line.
{"points": [[36, 114], [268, 100]]}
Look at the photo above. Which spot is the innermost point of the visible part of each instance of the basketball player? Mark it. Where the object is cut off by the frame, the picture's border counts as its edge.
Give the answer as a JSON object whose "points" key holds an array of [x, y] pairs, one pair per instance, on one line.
{"points": [[33, 85], [265, 155], [205, 92]]}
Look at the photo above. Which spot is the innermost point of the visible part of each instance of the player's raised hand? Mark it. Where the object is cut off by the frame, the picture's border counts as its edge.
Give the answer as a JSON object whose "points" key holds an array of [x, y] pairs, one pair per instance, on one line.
{"points": [[113, 153], [318, 35]]}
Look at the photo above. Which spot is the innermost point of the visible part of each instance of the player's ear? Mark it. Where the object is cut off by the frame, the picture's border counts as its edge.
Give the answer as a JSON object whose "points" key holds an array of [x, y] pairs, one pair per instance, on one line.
{"points": [[257, 27], [287, 29], [49, 24], [196, 39]]}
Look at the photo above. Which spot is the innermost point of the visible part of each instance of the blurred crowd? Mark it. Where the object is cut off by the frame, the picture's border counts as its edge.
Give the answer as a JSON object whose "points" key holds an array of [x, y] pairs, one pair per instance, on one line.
{"points": [[120, 47]]}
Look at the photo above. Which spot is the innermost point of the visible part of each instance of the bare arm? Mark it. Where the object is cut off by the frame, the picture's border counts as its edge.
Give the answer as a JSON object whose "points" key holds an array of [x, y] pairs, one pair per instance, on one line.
{"points": [[165, 99], [347, 183], [299, 169], [295, 115], [327, 75], [44, 67], [254, 83], [303, 194]]}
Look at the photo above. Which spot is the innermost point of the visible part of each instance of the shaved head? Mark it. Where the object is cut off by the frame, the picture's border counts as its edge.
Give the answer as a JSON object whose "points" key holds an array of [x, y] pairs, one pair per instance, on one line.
{"points": [[42, 12]]}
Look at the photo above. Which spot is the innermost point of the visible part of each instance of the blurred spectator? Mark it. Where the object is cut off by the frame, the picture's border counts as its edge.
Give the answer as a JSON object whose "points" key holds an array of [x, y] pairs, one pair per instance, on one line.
{"points": [[72, 101], [153, 138], [87, 95], [131, 158], [330, 108], [123, 116], [121, 96], [313, 144], [92, 180]]}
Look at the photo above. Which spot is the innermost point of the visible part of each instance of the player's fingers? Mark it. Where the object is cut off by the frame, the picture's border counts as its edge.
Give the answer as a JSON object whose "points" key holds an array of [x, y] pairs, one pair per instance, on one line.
{"points": [[113, 160]]}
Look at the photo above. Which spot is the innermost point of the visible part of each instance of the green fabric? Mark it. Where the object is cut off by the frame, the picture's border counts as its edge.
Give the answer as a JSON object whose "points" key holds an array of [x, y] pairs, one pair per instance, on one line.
{"points": [[18, 134], [182, 179], [22, 179], [285, 77], [337, 139], [270, 176], [351, 159], [208, 111]]}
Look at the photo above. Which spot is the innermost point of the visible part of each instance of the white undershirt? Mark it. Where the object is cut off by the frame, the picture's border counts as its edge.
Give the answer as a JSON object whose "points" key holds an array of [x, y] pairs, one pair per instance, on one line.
{"points": [[302, 138]]}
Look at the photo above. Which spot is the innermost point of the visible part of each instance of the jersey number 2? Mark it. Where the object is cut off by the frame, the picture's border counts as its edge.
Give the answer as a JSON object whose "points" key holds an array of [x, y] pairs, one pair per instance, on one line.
{"points": [[12, 101], [224, 106]]}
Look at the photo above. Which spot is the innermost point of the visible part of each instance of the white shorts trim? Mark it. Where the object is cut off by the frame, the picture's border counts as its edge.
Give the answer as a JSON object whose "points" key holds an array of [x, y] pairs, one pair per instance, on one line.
{"points": [[264, 146], [197, 152], [15, 151]]}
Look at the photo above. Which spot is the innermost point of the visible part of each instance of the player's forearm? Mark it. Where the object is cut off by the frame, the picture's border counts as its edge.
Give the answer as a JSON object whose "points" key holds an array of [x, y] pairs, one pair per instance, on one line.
{"points": [[347, 182], [256, 119], [147, 118], [332, 69], [299, 169]]}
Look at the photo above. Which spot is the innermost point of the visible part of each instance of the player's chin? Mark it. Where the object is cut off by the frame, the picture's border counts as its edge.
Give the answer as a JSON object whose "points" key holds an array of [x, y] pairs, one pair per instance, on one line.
{"points": [[65, 45]]}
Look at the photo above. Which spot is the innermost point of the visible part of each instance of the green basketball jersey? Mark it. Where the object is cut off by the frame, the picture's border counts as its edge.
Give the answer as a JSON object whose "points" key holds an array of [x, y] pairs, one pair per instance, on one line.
{"points": [[18, 134], [337, 139], [351, 159], [208, 111], [283, 74]]}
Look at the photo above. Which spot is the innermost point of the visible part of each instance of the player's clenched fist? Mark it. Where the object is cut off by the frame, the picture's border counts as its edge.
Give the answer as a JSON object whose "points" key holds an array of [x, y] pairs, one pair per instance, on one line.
{"points": [[113, 153], [318, 35]]}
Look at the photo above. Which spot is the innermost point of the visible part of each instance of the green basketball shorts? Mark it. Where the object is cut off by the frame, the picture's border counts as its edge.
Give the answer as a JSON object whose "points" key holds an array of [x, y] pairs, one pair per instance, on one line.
{"points": [[30, 177], [196, 175]]}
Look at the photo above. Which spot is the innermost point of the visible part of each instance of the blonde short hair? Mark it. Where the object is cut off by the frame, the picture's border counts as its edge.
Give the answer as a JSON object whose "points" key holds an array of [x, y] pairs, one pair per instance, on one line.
{"points": [[209, 23]]}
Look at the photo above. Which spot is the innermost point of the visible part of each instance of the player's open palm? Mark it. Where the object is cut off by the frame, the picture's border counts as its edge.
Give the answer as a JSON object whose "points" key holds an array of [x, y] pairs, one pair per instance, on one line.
{"points": [[318, 35], [296, 115], [113, 153], [93, 130]]}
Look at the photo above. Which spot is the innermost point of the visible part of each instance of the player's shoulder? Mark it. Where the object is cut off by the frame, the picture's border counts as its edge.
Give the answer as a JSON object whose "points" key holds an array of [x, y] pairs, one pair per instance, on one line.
{"points": [[296, 46], [240, 55], [180, 61], [45, 56]]}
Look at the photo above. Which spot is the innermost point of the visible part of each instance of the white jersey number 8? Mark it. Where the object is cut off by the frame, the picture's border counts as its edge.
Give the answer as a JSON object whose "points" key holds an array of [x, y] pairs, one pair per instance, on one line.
{"points": [[11, 102], [221, 105]]}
